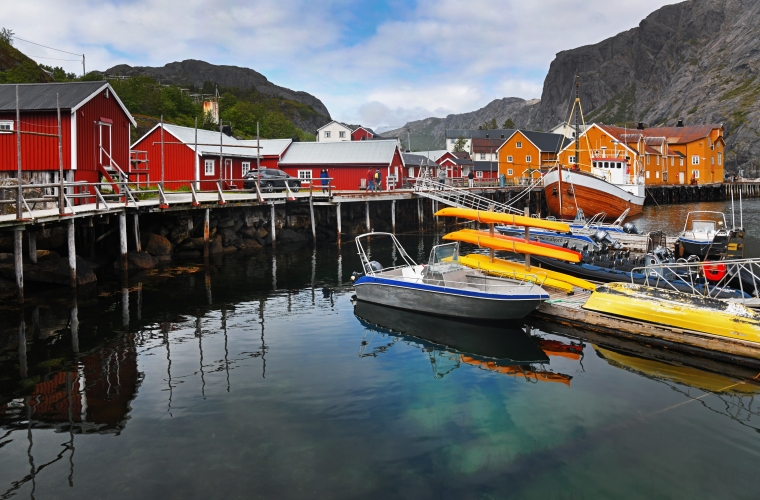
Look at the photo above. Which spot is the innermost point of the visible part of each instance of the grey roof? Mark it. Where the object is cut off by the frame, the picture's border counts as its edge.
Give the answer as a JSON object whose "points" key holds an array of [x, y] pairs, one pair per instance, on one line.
{"points": [[230, 145], [411, 159], [42, 96], [499, 133], [340, 153], [546, 141], [434, 155]]}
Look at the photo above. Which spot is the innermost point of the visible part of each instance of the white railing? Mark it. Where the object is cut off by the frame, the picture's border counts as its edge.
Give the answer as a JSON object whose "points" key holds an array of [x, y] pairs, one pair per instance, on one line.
{"points": [[458, 197]]}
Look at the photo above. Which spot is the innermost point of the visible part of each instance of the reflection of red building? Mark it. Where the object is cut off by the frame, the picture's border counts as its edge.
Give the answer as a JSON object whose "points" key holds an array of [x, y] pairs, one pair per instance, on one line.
{"points": [[97, 396]]}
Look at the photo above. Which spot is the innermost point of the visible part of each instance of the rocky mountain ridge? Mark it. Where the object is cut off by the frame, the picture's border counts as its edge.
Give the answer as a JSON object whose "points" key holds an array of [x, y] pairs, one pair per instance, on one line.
{"points": [[194, 72], [696, 60]]}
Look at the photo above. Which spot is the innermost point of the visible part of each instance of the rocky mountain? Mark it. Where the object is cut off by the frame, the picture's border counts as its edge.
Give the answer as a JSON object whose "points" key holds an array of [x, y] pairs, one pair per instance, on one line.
{"points": [[193, 72], [697, 60], [430, 133], [16, 67]]}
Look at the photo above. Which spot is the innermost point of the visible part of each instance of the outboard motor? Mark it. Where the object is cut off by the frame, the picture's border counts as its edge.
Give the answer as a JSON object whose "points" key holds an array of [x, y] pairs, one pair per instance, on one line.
{"points": [[630, 228], [375, 266], [604, 238]]}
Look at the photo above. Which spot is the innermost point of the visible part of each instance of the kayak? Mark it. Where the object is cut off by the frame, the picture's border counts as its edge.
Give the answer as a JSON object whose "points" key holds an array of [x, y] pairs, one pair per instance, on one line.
{"points": [[676, 309], [483, 239], [571, 253], [501, 218], [498, 267]]}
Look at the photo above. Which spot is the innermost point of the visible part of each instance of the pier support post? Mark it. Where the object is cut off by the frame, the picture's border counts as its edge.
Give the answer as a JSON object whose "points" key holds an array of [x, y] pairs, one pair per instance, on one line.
{"points": [[75, 326], [18, 245], [22, 364], [393, 216], [136, 221], [337, 215], [32, 246], [419, 213], [125, 304], [274, 235], [123, 241], [366, 212], [313, 222], [206, 223], [73, 255]]}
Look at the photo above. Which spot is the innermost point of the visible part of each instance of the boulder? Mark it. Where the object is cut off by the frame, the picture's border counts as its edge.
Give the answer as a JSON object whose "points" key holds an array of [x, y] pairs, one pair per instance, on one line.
{"points": [[286, 236], [6, 258], [47, 255], [229, 249], [225, 223], [262, 233], [247, 232], [192, 244], [248, 244], [53, 271], [158, 245], [215, 245], [163, 259], [228, 236], [141, 260], [178, 234], [238, 224]]}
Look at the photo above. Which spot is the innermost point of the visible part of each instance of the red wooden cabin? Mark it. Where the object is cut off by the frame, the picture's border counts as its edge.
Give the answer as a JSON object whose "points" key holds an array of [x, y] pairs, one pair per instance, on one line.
{"points": [[347, 162], [362, 134], [94, 128], [182, 165]]}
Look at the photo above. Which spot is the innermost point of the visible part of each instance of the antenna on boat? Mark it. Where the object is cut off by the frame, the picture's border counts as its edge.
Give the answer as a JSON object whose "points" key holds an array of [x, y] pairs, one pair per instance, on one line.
{"points": [[577, 117]]}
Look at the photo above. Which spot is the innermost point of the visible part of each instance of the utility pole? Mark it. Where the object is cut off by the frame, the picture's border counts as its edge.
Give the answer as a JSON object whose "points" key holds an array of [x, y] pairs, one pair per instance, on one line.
{"points": [[84, 72], [162, 152], [258, 159], [60, 158], [18, 154]]}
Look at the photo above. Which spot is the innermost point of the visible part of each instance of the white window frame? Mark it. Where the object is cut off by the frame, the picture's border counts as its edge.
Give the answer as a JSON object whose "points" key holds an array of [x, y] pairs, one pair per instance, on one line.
{"points": [[510, 159], [208, 167], [305, 175], [411, 172], [572, 160], [529, 159], [7, 126], [482, 156], [695, 159], [246, 167], [680, 162], [518, 145], [658, 160], [510, 172], [453, 141], [720, 158], [326, 134], [479, 174], [649, 159], [672, 161], [695, 174], [647, 174], [341, 134], [712, 160], [657, 174]]}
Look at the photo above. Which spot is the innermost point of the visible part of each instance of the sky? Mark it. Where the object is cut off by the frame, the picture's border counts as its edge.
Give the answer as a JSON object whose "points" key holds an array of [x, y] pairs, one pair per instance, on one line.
{"points": [[378, 63]]}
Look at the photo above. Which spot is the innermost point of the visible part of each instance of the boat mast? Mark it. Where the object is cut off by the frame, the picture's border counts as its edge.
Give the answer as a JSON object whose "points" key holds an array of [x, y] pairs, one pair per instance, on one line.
{"points": [[577, 116]]}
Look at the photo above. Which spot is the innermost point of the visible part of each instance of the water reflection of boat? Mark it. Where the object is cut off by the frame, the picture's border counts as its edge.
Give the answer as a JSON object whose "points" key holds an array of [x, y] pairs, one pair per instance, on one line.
{"points": [[451, 342]]}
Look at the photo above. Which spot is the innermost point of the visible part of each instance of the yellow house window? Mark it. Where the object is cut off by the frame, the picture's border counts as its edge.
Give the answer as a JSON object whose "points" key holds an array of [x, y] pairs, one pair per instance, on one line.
{"points": [[518, 145], [528, 159], [647, 174], [720, 158], [510, 159], [657, 175], [509, 172], [648, 160], [658, 160]]}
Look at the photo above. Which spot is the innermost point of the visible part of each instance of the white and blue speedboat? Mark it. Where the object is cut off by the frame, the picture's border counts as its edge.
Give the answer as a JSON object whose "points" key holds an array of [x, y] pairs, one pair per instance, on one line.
{"points": [[443, 287], [704, 233]]}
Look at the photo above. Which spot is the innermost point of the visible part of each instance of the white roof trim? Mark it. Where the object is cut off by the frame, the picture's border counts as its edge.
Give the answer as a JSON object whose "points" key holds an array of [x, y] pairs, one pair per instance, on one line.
{"points": [[333, 121], [85, 101]]}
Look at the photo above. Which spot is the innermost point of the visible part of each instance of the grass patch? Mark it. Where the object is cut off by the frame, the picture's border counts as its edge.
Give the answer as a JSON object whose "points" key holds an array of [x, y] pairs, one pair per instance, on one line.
{"points": [[619, 109], [692, 110]]}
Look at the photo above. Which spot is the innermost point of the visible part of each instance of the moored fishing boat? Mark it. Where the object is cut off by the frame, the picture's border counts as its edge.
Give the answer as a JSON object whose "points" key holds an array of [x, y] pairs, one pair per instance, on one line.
{"points": [[444, 286]]}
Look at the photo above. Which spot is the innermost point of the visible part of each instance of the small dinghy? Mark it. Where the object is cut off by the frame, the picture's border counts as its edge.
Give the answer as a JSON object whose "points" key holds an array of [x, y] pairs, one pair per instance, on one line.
{"points": [[443, 287]]}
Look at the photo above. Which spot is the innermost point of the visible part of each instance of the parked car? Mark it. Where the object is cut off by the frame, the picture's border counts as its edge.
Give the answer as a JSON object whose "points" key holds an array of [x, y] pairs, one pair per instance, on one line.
{"points": [[271, 180]]}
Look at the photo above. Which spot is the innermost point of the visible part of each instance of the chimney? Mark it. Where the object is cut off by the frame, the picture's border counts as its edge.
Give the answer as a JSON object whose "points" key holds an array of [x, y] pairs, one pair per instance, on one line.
{"points": [[680, 122], [641, 126], [227, 130], [487, 136]]}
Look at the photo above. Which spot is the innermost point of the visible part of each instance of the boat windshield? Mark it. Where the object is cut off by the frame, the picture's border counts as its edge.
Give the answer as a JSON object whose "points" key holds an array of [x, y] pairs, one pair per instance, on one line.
{"points": [[703, 226], [444, 254]]}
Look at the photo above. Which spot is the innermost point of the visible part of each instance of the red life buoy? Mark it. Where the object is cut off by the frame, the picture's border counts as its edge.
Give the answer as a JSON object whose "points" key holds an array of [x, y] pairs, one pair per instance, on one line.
{"points": [[713, 271]]}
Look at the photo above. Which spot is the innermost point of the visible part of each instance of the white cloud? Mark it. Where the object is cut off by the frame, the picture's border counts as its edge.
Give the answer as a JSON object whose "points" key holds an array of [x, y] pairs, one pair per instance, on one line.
{"points": [[435, 57]]}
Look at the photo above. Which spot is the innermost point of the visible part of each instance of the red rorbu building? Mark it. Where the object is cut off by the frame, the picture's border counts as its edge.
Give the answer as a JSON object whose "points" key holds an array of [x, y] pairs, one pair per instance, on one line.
{"points": [[190, 158], [94, 128], [362, 134], [347, 162]]}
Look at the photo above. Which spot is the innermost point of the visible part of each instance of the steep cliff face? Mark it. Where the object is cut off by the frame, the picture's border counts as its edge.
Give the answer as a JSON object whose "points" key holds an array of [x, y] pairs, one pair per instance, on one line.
{"points": [[198, 72], [697, 60], [430, 133]]}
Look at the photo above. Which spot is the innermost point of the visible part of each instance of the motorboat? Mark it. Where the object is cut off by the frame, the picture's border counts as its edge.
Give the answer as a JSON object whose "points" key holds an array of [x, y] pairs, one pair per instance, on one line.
{"points": [[444, 286], [705, 233]]}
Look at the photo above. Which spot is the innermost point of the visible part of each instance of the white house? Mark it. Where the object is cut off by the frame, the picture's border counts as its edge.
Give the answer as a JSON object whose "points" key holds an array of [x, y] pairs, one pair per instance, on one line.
{"points": [[334, 132]]}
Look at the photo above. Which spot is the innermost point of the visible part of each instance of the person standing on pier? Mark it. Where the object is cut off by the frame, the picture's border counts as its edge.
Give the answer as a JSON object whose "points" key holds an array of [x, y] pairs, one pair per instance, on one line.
{"points": [[378, 180], [470, 179], [370, 180], [325, 180], [441, 176]]}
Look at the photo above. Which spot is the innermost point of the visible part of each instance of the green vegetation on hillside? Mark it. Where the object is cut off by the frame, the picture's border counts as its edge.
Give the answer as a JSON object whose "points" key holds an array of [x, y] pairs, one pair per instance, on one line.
{"points": [[15, 67]]}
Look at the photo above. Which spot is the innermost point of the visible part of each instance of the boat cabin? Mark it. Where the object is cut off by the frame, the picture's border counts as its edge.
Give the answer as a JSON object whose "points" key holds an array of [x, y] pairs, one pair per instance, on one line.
{"points": [[612, 170]]}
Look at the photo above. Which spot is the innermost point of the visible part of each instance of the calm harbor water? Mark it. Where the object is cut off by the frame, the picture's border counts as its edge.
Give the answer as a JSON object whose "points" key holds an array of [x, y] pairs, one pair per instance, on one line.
{"points": [[258, 377]]}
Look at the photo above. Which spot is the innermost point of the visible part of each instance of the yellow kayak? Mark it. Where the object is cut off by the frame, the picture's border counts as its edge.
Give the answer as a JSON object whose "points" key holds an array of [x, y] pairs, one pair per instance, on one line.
{"points": [[483, 239], [554, 279], [501, 218], [677, 309], [694, 377]]}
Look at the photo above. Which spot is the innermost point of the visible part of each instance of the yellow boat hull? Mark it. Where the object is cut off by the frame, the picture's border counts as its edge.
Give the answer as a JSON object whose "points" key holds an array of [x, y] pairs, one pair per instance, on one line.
{"points": [[483, 239], [676, 309], [501, 218], [516, 270]]}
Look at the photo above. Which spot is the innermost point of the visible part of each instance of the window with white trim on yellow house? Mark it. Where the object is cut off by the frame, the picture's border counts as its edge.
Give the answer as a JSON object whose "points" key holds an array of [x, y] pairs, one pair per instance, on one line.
{"points": [[510, 159], [518, 145], [695, 160], [510, 172], [528, 159]]}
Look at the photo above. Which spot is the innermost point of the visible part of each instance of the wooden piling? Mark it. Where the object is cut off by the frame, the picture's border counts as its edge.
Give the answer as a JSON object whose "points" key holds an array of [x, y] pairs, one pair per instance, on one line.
{"points": [[22, 366], [337, 215], [206, 222], [123, 241], [19, 263], [32, 237], [136, 228], [366, 212], [313, 222], [274, 235], [124, 304], [393, 216], [75, 326], [419, 213], [72, 255]]}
